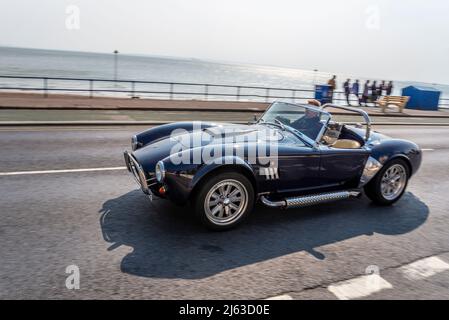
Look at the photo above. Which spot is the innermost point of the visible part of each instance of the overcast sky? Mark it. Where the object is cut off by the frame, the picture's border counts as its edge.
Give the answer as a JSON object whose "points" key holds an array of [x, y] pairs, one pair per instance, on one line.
{"points": [[392, 39]]}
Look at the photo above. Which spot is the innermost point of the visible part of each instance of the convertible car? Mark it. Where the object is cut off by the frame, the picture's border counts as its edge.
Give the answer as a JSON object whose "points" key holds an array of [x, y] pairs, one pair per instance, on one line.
{"points": [[294, 155]]}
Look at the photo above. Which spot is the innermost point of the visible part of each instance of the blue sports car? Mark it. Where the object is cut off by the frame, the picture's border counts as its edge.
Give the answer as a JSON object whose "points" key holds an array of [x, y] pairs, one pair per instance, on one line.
{"points": [[294, 155]]}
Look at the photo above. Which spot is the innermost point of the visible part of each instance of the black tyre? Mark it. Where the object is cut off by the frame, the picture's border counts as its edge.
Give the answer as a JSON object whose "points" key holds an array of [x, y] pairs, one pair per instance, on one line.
{"points": [[224, 201], [389, 184]]}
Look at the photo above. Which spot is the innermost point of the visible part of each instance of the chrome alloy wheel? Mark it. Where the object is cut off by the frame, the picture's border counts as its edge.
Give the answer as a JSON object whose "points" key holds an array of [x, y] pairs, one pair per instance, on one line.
{"points": [[393, 182], [225, 202]]}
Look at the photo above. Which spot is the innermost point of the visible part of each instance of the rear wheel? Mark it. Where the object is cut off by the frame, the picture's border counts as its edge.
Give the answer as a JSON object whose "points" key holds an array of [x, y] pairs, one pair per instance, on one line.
{"points": [[224, 201], [389, 184]]}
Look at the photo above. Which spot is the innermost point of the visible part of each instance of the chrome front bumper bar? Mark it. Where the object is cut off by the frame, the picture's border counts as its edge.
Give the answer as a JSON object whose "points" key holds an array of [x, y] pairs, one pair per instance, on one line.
{"points": [[136, 169]]}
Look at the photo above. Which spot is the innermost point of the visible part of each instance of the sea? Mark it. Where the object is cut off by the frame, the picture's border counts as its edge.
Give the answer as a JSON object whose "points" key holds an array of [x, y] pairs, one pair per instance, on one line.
{"points": [[86, 65]]}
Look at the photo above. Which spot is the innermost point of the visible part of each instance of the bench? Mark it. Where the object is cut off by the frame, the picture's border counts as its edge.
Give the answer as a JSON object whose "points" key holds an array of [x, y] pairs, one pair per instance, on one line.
{"points": [[398, 101]]}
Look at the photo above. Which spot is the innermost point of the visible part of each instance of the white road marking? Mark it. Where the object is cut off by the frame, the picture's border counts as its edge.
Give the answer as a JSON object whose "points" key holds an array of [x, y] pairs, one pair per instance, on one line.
{"points": [[359, 287], [424, 268], [17, 173], [427, 149], [281, 297]]}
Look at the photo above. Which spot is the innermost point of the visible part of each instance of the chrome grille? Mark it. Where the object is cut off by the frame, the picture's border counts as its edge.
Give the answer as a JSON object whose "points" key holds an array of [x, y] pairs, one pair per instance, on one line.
{"points": [[151, 181], [136, 169]]}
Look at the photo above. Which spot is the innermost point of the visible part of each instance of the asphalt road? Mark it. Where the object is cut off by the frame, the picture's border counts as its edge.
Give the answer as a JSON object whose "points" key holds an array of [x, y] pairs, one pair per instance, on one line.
{"points": [[14, 115], [127, 247]]}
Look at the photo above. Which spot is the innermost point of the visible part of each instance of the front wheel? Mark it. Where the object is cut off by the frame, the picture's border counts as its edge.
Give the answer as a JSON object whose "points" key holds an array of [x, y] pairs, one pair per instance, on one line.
{"points": [[224, 201], [389, 184]]}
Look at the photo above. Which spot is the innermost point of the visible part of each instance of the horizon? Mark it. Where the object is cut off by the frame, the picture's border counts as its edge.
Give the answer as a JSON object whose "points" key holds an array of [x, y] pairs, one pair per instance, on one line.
{"points": [[232, 63]]}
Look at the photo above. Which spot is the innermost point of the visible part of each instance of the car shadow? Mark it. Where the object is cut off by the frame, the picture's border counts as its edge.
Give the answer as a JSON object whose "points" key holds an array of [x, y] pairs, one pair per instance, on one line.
{"points": [[168, 243]]}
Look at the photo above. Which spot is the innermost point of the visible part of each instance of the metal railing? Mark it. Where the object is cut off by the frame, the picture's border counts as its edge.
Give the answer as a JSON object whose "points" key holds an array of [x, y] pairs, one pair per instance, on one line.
{"points": [[173, 90]]}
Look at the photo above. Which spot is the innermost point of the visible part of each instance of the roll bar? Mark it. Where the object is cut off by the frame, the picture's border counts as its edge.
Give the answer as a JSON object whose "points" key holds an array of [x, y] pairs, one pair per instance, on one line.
{"points": [[364, 114]]}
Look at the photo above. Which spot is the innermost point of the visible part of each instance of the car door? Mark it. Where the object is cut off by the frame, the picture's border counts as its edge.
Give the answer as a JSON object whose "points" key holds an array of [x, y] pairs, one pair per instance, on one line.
{"points": [[297, 169], [342, 167]]}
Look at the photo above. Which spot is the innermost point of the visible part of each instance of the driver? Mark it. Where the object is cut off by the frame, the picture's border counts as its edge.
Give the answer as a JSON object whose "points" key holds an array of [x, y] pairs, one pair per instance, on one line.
{"points": [[309, 124]]}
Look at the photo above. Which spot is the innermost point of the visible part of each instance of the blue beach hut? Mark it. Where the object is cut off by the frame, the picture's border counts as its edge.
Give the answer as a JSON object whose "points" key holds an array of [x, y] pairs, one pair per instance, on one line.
{"points": [[423, 98]]}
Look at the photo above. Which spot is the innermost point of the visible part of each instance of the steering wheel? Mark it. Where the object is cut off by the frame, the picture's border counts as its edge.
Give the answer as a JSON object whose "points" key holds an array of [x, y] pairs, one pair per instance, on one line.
{"points": [[283, 120]]}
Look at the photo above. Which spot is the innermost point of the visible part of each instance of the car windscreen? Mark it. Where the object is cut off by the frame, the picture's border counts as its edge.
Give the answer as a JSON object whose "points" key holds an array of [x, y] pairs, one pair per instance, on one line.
{"points": [[308, 121]]}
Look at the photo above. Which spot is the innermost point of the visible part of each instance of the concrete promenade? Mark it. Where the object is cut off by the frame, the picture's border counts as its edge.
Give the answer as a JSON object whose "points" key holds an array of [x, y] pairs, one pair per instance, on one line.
{"points": [[76, 102]]}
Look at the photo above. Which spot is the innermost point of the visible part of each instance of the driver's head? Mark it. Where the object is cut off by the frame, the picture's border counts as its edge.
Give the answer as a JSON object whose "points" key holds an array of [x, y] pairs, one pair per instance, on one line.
{"points": [[314, 102], [312, 113]]}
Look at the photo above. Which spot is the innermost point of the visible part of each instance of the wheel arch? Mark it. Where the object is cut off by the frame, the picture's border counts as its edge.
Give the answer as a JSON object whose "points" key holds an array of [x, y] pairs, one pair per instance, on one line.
{"points": [[392, 149], [208, 171], [406, 160], [395, 157]]}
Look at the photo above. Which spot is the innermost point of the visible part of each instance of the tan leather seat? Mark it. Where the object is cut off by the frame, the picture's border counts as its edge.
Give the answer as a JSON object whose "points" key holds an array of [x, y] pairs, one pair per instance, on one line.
{"points": [[346, 144]]}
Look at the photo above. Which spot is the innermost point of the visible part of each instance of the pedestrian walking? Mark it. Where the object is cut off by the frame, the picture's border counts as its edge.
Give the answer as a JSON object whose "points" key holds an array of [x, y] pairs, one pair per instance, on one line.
{"points": [[389, 88], [374, 92], [365, 94], [333, 85], [355, 90], [347, 91], [381, 89]]}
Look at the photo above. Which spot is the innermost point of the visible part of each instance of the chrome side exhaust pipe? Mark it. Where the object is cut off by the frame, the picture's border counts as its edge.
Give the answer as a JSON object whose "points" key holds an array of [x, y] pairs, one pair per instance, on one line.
{"points": [[309, 200]]}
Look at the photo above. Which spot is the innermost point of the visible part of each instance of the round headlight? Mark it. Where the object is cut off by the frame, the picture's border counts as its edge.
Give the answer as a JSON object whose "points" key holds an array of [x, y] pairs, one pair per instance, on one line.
{"points": [[160, 171]]}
